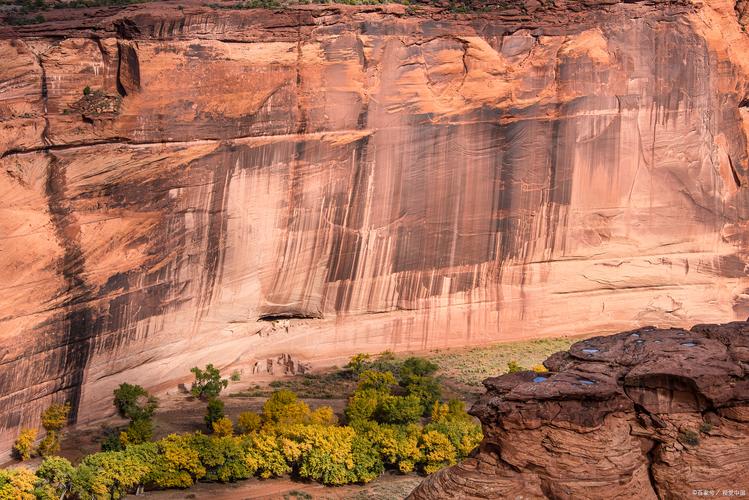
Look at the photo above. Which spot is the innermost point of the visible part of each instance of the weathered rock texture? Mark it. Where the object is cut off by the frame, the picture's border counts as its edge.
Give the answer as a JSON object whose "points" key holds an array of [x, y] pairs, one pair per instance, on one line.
{"points": [[244, 186], [643, 414]]}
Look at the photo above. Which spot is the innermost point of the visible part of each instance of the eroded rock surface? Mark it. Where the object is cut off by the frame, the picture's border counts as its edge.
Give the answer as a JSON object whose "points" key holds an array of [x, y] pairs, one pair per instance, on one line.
{"points": [[244, 186], [650, 413]]}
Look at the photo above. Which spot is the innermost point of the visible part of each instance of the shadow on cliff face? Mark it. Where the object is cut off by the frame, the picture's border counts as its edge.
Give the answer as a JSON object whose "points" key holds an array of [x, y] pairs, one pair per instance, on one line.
{"points": [[644, 414]]}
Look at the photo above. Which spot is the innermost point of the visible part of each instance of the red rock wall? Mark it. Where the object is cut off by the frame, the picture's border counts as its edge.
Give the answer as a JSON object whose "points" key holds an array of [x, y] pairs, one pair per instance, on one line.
{"points": [[320, 181]]}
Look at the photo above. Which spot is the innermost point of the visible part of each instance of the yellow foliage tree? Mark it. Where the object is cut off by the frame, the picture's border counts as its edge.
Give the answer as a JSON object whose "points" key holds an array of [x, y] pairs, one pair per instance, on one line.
{"points": [[223, 427], [24, 446]]}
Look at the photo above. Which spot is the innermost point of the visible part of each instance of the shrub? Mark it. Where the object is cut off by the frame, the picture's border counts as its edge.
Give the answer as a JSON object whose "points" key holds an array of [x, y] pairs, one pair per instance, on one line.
{"points": [[55, 417], [321, 453], [139, 431], [424, 388], [111, 440], [58, 473], [214, 412], [17, 484], [182, 463], [24, 445], [689, 437], [398, 409], [134, 402], [323, 415], [438, 451], [283, 407], [358, 363], [50, 444], [398, 445], [235, 376], [539, 369], [264, 455], [108, 474], [86, 90], [362, 406], [224, 458], [375, 380], [248, 421], [514, 367], [208, 383], [223, 427], [419, 367]]}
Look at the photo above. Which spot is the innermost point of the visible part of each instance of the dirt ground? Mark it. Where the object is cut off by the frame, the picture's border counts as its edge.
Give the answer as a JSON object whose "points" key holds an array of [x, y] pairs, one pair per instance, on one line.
{"points": [[387, 487]]}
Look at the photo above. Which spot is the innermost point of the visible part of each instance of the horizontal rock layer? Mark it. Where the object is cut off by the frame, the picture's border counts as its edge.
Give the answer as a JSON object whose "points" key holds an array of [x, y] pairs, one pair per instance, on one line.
{"points": [[643, 414], [240, 187]]}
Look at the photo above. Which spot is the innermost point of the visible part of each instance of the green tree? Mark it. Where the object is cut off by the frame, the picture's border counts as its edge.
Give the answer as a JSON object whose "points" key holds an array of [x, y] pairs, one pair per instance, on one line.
{"points": [[398, 409], [208, 383], [58, 473], [139, 431], [134, 402], [214, 412]]}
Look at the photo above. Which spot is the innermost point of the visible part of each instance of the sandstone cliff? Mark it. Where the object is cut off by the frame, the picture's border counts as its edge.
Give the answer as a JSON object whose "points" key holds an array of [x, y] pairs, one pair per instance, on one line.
{"points": [[643, 414], [243, 186]]}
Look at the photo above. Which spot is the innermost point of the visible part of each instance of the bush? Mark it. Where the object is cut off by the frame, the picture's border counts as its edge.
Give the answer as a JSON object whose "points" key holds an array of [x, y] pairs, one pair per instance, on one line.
{"points": [[398, 409], [323, 415], [362, 406], [208, 383], [438, 451], [235, 376], [58, 473], [50, 444], [86, 90], [264, 455], [134, 402], [24, 445], [214, 412], [283, 407], [425, 389], [55, 417], [358, 363], [139, 431], [223, 427], [539, 369], [514, 367], [17, 484], [248, 421], [375, 380], [398, 445]]}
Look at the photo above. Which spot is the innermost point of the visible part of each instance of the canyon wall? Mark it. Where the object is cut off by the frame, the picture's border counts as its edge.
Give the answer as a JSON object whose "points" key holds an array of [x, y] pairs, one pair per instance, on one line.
{"points": [[248, 186]]}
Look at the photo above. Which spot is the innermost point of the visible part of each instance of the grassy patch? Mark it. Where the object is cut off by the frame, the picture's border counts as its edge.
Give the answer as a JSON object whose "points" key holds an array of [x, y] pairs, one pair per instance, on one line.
{"points": [[327, 385], [472, 366]]}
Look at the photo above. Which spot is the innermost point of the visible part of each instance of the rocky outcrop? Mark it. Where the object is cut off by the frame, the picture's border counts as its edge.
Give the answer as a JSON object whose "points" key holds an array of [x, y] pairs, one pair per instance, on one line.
{"points": [[651, 413], [244, 186]]}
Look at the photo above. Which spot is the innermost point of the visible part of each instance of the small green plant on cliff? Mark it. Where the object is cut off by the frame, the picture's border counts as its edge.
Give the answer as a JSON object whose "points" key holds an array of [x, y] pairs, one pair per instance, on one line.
{"points": [[689, 437], [86, 90], [24, 445], [208, 382]]}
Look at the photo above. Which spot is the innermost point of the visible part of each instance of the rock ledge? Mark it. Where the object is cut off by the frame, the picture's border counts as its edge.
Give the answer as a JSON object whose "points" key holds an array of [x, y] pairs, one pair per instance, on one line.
{"points": [[649, 413]]}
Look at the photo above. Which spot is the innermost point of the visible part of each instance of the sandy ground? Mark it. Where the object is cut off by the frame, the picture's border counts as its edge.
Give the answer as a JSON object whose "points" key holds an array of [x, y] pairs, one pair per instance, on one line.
{"points": [[387, 487]]}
